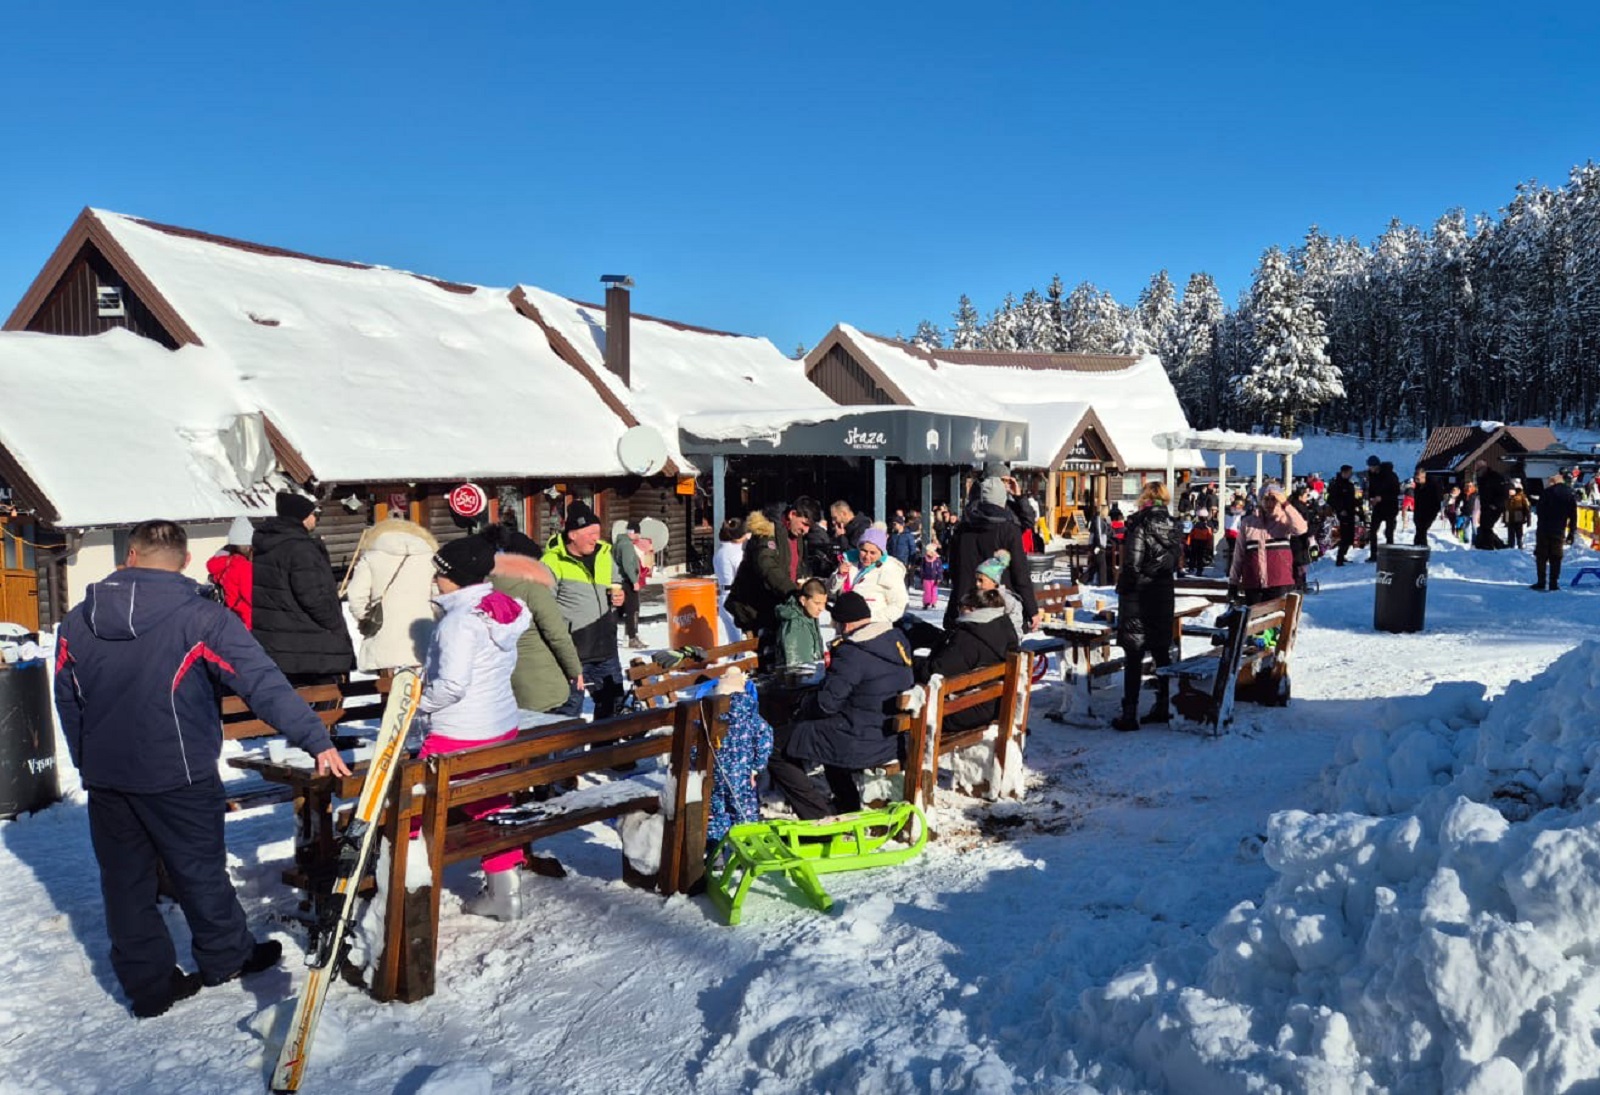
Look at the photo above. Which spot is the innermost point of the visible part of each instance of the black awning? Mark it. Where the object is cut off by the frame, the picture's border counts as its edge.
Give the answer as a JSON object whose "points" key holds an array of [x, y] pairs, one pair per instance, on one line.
{"points": [[906, 434]]}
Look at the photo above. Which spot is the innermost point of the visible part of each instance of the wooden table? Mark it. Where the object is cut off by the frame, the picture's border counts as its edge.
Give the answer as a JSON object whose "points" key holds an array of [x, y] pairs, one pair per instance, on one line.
{"points": [[1082, 636]]}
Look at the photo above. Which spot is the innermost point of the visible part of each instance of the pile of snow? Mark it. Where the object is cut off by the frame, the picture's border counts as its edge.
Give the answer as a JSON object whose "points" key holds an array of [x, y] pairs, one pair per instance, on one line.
{"points": [[1449, 945]]}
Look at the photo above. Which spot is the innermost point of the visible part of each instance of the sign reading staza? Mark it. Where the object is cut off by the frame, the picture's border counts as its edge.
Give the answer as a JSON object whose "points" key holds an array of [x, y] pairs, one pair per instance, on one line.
{"points": [[865, 440]]}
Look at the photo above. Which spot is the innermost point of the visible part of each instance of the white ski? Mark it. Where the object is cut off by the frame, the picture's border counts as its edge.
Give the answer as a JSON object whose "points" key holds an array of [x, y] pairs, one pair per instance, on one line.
{"points": [[356, 848]]}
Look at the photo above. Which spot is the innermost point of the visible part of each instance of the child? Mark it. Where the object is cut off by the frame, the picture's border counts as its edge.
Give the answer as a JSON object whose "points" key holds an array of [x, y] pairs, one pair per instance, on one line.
{"points": [[1201, 546], [931, 570], [991, 572], [468, 699], [799, 633]]}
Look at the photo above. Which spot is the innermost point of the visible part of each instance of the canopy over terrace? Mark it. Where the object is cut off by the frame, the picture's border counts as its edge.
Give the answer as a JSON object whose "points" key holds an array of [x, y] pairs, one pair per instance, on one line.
{"points": [[908, 435], [1225, 441]]}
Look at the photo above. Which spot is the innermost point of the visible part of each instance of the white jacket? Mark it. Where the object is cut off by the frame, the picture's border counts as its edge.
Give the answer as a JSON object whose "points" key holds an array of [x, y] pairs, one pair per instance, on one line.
{"points": [[883, 588], [401, 553], [470, 658]]}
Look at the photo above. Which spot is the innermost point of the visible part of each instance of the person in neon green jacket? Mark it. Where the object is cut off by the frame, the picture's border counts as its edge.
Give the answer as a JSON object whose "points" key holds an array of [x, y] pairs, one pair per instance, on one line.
{"points": [[585, 574]]}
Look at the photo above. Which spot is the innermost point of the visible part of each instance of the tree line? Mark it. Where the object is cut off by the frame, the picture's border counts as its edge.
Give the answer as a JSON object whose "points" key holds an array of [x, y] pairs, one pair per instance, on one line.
{"points": [[1496, 317]]}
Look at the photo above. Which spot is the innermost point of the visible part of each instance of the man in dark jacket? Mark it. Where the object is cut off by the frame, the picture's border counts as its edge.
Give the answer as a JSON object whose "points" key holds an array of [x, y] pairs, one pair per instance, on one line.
{"points": [[297, 617], [986, 527], [847, 526], [775, 563], [846, 724], [139, 666], [1145, 602], [1557, 514], [982, 636], [1428, 499], [1493, 491], [1383, 495], [1342, 500]]}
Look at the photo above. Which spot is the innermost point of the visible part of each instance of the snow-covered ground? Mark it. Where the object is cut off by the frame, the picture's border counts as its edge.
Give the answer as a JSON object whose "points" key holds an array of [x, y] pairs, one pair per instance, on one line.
{"points": [[1390, 885]]}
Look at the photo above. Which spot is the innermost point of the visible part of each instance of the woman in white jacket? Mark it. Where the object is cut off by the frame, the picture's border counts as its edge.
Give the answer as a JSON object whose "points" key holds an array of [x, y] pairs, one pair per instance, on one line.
{"points": [[467, 697], [394, 568], [880, 578]]}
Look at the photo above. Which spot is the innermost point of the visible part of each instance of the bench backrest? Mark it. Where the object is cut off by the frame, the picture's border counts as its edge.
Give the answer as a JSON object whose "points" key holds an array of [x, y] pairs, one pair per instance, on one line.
{"points": [[662, 689], [350, 701], [1053, 597], [644, 668]]}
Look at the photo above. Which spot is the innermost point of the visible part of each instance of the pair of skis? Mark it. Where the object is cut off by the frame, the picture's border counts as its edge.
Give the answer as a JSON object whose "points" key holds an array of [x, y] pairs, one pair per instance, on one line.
{"points": [[356, 848]]}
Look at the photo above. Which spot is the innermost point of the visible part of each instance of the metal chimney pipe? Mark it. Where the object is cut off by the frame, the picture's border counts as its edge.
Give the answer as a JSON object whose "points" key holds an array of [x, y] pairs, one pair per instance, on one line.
{"points": [[619, 316]]}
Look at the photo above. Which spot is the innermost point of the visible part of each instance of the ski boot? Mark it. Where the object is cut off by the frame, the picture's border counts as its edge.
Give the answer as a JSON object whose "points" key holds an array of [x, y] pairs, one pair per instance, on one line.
{"points": [[501, 898]]}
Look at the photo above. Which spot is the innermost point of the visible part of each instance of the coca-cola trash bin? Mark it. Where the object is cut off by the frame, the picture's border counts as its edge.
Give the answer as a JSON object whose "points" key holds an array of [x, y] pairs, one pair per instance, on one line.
{"points": [[28, 778]]}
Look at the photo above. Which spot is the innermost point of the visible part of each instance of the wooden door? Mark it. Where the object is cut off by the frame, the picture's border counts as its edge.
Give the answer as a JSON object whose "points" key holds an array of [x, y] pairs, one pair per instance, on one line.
{"points": [[19, 582]]}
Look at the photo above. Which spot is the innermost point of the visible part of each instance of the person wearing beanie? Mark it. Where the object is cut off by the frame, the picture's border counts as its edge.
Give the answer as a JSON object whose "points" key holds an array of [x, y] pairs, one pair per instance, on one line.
{"points": [[880, 579], [391, 594], [589, 590], [467, 699], [296, 615], [232, 573], [992, 574], [989, 525], [630, 572], [844, 725]]}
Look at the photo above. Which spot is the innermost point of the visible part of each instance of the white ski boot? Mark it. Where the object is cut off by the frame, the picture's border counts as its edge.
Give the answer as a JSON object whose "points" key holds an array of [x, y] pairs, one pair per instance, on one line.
{"points": [[501, 898]]}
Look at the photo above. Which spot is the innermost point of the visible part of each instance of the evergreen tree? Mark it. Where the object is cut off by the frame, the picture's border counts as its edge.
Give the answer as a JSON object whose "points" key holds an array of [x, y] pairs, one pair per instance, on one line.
{"points": [[1033, 323], [1291, 374], [1000, 333], [1192, 365], [1055, 301], [967, 334], [929, 336], [1156, 319], [1093, 321]]}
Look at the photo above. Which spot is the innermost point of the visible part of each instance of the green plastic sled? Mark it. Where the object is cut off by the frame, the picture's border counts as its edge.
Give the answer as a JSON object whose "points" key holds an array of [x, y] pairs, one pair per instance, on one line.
{"points": [[804, 849]]}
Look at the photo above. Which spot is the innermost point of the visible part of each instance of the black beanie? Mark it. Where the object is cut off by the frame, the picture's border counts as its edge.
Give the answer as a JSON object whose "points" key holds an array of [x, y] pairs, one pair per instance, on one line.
{"points": [[579, 516], [295, 507], [849, 608], [466, 562]]}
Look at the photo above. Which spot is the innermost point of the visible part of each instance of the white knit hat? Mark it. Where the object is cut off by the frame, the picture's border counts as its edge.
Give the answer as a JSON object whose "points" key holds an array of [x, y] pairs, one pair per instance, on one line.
{"points": [[241, 532]]}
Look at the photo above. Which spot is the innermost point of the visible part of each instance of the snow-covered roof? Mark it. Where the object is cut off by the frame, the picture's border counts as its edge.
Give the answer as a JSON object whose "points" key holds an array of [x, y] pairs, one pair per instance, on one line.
{"points": [[1228, 441], [675, 370], [373, 373], [1133, 397], [147, 444]]}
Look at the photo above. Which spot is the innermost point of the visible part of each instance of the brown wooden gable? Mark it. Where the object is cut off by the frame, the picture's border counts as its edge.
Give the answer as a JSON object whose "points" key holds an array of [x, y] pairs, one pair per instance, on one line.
{"points": [[1092, 433], [73, 306], [51, 295], [846, 374]]}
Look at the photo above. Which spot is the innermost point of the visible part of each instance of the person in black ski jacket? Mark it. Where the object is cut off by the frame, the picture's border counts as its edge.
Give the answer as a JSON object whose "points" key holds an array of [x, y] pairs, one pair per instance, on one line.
{"points": [[1557, 513], [140, 665], [847, 724], [297, 616], [1342, 500], [1145, 601], [982, 636], [986, 527], [1300, 543], [1383, 495], [775, 562], [1493, 491], [1428, 499]]}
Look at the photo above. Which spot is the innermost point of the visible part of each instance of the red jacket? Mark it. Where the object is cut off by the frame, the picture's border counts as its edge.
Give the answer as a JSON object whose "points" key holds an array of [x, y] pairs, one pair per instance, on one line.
{"points": [[235, 576]]}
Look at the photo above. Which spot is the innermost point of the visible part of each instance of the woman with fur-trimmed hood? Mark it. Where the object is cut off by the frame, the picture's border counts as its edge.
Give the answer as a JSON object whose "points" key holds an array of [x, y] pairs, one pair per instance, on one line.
{"points": [[394, 568]]}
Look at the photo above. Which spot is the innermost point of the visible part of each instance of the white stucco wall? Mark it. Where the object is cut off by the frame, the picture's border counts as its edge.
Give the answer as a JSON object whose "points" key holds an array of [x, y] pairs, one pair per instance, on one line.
{"points": [[95, 557]]}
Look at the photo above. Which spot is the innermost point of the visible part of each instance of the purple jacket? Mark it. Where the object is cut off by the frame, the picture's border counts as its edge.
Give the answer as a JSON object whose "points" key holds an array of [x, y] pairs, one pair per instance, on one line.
{"points": [[139, 665]]}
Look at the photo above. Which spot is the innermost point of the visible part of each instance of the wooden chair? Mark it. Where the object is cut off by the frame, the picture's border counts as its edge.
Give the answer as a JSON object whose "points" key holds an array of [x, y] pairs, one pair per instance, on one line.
{"points": [[1208, 682], [1009, 684]]}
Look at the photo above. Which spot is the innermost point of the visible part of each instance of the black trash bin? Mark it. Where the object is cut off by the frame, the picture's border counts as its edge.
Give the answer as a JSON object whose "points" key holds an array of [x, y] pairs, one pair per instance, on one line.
{"points": [[1400, 602], [27, 739]]}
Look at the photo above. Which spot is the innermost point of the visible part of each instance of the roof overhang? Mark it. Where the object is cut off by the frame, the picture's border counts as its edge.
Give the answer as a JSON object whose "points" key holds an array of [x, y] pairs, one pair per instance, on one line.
{"points": [[910, 435]]}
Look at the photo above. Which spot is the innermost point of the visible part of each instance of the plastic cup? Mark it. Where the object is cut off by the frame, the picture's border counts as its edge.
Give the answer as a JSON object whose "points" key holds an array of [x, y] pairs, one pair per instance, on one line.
{"points": [[277, 750]]}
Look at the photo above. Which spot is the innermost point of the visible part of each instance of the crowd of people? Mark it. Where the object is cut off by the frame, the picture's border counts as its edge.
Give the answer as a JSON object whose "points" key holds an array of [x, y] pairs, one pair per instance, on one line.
{"points": [[509, 633]]}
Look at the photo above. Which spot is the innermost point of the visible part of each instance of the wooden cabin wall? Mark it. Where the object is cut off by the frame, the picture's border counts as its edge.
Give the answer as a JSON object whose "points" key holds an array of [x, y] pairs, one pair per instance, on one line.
{"points": [[340, 530], [72, 307]]}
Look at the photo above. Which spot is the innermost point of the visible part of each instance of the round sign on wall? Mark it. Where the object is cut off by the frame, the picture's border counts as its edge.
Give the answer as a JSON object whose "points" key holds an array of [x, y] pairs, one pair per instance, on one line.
{"points": [[468, 500]]}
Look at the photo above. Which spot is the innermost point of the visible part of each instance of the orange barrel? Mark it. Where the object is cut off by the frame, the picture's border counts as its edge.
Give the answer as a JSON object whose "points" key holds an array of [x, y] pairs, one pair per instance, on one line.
{"points": [[692, 612]]}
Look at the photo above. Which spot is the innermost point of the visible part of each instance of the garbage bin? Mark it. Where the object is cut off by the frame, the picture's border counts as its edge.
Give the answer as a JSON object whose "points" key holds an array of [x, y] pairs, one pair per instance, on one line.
{"points": [[27, 739], [1400, 602], [691, 612]]}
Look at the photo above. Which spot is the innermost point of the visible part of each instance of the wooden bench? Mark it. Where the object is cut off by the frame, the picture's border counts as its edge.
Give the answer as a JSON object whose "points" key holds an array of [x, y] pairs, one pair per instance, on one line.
{"points": [[1208, 683], [426, 792], [335, 704], [1009, 684], [653, 685]]}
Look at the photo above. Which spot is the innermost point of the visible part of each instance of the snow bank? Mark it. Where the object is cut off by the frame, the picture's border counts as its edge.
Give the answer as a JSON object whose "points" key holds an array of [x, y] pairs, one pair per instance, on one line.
{"points": [[1447, 945]]}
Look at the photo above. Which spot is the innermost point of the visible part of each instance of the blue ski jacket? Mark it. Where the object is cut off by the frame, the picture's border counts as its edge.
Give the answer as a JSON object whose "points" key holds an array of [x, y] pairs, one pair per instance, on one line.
{"points": [[139, 665]]}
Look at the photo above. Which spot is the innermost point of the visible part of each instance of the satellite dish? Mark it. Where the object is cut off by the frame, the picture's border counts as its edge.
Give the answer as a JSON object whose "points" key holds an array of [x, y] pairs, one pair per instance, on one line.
{"points": [[656, 530], [642, 451]]}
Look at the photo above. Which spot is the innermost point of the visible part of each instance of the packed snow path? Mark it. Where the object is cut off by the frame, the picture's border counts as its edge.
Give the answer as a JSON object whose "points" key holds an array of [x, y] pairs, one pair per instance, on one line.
{"points": [[1045, 945]]}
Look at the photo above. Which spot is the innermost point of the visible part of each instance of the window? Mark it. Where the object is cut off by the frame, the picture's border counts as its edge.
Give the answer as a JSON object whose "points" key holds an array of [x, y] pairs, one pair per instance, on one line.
{"points": [[1131, 486], [108, 301]]}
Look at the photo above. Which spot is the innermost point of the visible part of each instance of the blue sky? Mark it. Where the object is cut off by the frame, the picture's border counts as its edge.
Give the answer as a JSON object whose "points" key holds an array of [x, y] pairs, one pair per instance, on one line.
{"points": [[773, 169]]}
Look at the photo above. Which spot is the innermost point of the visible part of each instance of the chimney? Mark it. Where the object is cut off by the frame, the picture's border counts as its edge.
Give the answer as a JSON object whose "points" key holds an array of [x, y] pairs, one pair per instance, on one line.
{"points": [[619, 316]]}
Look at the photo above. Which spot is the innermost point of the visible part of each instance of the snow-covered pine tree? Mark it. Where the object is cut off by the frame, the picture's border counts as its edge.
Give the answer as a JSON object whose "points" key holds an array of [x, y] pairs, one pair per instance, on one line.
{"points": [[1156, 319], [967, 333], [1055, 300], [1192, 365], [1000, 333], [1094, 322], [1033, 323], [1291, 374], [929, 336]]}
